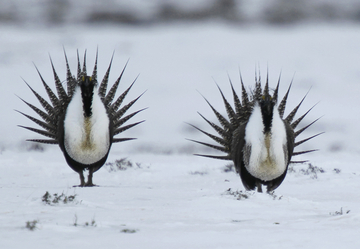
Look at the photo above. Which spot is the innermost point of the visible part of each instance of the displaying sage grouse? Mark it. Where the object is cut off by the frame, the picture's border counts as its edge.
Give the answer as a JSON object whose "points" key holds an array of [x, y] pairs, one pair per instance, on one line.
{"points": [[256, 137], [84, 119]]}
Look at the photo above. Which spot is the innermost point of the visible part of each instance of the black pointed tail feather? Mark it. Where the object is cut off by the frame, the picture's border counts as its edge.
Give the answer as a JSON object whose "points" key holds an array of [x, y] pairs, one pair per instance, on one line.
{"points": [[43, 115], [304, 161], [217, 128], [282, 104], [115, 106], [94, 74], [121, 121], [44, 141], [215, 157], [229, 110], [237, 103], [105, 80], [276, 91], [223, 149], [297, 133], [296, 122], [306, 139], [41, 132], [266, 88], [213, 137], [84, 71], [303, 152], [53, 98], [111, 94], [223, 121], [118, 140], [71, 81], [50, 128], [50, 110], [117, 115], [292, 114], [59, 87], [124, 128], [79, 73], [244, 95]]}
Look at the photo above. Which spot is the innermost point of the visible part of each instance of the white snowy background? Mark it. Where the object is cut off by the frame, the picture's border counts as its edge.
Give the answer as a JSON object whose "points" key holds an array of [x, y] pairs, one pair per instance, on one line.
{"points": [[170, 198]]}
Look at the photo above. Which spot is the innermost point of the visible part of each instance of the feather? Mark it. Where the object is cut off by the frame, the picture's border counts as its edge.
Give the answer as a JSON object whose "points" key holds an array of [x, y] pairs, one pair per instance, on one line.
{"points": [[60, 115], [223, 149], [63, 98], [71, 82], [282, 104], [121, 121], [110, 96], [104, 82], [124, 128], [115, 106], [234, 134], [118, 140], [54, 100]]}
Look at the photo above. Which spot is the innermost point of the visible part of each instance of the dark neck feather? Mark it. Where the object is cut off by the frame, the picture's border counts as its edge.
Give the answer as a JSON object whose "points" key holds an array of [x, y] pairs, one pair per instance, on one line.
{"points": [[87, 92], [267, 108]]}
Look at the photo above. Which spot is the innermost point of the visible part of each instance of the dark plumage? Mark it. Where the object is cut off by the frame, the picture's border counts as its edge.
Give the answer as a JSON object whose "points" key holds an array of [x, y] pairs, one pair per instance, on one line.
{"points": [[256, 137], [83, 119]]}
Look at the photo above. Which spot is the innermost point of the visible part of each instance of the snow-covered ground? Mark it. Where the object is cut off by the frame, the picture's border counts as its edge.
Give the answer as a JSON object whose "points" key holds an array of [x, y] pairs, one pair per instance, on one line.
{"points": [[174, 199]]}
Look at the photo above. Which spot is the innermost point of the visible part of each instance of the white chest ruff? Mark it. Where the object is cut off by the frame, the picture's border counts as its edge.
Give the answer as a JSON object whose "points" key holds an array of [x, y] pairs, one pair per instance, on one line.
{"points": [[265, 156], [86, 139]]}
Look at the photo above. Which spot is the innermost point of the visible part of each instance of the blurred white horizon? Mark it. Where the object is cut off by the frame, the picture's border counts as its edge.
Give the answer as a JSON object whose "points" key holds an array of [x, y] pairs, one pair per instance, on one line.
{"points": [[145, 12]]}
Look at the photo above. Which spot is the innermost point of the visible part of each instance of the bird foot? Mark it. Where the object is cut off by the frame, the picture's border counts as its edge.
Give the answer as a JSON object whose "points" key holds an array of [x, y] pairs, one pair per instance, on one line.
{"points": [[86, 185], [90, 185]]}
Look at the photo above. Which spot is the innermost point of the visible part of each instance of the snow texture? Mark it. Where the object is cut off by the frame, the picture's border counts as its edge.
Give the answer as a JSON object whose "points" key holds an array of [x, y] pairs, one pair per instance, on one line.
{"points": [[174, 199]]}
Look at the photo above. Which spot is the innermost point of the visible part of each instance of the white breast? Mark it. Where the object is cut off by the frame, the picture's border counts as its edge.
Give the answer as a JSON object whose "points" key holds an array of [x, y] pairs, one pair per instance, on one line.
{"points": [[265, 156], [86, 139]]}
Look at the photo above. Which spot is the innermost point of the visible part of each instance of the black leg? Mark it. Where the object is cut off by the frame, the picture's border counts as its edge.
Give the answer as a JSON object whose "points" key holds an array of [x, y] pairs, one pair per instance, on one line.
{"points": [[258, 185], [82, 179], [89, 181]]}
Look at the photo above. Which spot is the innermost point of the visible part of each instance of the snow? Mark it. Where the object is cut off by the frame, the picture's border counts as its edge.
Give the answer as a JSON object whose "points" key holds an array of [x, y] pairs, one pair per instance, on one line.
{"points": [[175, 199]]}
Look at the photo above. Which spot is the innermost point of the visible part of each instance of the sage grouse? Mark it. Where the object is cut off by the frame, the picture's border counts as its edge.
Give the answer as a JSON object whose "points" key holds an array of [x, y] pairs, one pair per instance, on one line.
{"points": [[256, 137], [84, 119]]}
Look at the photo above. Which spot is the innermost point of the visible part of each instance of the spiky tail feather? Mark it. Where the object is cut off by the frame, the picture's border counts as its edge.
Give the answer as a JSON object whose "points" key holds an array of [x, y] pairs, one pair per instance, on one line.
{"points": [[56, 108], [241, 114]]}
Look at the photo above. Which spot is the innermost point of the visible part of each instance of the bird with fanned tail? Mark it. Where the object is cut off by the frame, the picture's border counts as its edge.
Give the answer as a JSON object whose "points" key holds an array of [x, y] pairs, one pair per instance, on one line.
{"points": [[83, 119], [256, 136]]}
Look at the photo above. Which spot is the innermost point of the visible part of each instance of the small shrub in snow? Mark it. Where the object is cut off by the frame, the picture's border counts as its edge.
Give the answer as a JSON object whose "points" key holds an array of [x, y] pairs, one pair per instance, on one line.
{"points": [[291, 169], [36, 147], [126, 230], [274, 196], [340, 212], [31, 225], [75, 224], [337, 171], [198, 173], [229, 168], [86, 224], [121, 164], [56, 198], [92, 223], [312, 171], [239, 195]]}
